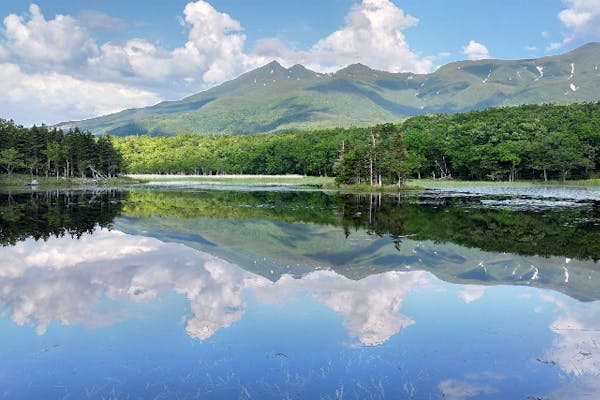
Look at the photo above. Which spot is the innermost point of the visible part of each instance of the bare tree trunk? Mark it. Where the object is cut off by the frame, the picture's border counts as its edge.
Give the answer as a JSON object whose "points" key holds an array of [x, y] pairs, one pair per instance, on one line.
{"points": [[545, 175]]}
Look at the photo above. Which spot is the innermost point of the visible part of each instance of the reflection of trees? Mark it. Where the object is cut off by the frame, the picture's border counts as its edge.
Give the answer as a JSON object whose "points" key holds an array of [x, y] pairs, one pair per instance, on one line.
{"points": [[41, 215], [464, 221], [566, 232]]}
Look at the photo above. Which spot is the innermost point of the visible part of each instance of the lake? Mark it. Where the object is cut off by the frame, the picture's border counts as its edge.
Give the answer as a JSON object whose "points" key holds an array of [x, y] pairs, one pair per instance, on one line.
{"points": [[189, 292]]}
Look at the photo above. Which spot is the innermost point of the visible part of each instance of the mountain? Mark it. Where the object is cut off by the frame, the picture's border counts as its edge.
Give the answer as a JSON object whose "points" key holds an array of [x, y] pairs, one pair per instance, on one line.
{"points": [[274, 98]]}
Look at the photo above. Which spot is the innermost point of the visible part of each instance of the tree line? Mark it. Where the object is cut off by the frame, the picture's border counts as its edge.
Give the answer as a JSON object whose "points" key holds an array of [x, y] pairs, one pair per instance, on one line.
{"points": [[40, 150], [538, 142]]}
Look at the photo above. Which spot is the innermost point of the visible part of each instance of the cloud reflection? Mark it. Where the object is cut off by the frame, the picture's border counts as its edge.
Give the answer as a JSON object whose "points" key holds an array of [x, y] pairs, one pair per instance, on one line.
{"points": [[370, 307], [471, 293], [67, 280], [576, 347]]}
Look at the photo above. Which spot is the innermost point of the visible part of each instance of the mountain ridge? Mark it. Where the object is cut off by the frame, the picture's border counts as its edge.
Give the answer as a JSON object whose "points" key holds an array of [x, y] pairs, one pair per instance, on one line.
{"points": [[274, 98]]}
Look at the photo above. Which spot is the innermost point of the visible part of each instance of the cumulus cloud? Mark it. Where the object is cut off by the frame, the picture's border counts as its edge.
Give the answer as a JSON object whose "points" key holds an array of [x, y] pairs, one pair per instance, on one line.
{"points": [[65, 279], [41, 44], [215, 42], [63, 50], [581, 18], [476, 51], [48, 94], [374, 36]]}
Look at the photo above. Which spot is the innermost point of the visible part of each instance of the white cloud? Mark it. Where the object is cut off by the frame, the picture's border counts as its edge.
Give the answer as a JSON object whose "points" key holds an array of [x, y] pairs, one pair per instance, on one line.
{"points": [[65, 279], [575, 347], [40, 44], [62, 50], [374, 36], [476, 51], [48, 94], [215, 42], [98, 20], [581, 18]]}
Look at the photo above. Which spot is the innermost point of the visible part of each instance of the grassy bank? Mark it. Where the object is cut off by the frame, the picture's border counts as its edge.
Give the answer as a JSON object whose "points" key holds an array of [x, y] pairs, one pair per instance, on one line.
{"points": [[453, 183], [298, 181], [23, 181], [242, 180]]}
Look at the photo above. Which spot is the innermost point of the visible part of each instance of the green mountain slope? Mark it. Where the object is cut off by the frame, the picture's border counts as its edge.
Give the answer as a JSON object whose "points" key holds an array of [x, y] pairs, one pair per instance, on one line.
{"points": [[274, 98]]}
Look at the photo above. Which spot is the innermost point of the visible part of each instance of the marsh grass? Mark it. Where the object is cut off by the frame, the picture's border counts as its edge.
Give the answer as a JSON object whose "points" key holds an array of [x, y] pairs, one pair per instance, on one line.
{"points": [[23, 181], [242, 180], [453, 183]]}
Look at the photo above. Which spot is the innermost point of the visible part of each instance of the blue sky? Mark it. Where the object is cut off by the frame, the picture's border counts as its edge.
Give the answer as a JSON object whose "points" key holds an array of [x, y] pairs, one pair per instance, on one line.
{"points": [[74, 59]]}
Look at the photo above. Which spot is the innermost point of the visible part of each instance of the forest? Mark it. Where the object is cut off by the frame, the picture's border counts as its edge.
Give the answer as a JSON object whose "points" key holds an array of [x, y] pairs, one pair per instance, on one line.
{"points": [[531, 142], [538, 142], [42, 151]]}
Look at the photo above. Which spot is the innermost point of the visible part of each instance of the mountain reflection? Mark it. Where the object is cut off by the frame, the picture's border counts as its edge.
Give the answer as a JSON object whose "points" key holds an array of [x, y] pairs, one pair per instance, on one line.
{"points": [[472, 239], [67, 280], [488, 222]]}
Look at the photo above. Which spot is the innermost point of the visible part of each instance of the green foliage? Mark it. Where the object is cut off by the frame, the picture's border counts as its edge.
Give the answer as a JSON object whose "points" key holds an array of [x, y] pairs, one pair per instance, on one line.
{"points": [[304, 153], [51, 152], [372, 156], [10, 159], [525, 142], [568, 233], [511, 143]]}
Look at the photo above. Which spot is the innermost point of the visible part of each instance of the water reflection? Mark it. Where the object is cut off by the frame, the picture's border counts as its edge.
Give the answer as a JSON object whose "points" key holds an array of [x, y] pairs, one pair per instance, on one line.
{"points": [[459, 238], [370, 307], [258, 285], [576, 348], [42, 215], [66, 279]]}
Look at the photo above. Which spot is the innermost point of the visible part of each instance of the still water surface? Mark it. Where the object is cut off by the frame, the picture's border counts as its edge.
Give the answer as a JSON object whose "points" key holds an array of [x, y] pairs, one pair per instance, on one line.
{"points": [[189, 293]]}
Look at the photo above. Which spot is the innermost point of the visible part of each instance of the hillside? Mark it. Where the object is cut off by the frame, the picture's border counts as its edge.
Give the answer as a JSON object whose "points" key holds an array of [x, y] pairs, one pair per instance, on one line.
{"points": [[273, 98]]}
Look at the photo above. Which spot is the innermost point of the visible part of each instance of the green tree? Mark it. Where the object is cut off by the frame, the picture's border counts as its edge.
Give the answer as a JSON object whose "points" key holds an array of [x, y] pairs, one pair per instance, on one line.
{"points": [[10, 159]]}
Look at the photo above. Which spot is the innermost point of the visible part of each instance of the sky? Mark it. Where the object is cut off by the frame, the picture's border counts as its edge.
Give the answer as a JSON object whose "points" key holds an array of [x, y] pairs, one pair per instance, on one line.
{"points": [[63, 60]]}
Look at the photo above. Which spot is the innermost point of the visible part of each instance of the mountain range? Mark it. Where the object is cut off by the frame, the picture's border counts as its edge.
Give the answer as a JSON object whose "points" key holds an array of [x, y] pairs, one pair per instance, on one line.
{"points": [[274, 98]]}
